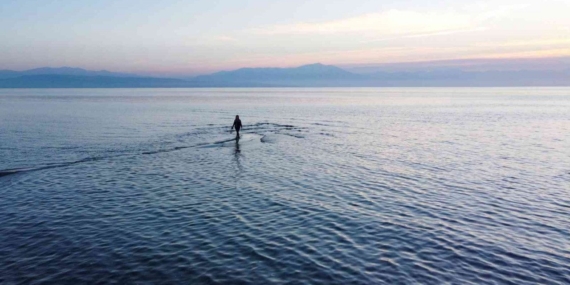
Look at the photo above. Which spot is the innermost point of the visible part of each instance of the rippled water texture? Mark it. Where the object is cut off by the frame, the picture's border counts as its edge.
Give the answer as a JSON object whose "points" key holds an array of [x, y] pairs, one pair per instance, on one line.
{"points": [[326, 186]]}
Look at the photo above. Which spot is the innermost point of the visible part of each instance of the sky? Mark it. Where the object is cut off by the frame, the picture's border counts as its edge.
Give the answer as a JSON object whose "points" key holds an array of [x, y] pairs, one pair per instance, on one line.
{"points": [[177, 38]]}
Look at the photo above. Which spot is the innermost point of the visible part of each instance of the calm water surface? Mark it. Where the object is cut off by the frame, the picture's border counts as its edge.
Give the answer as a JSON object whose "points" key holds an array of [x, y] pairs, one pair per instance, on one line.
{"points": [[326, 186]]}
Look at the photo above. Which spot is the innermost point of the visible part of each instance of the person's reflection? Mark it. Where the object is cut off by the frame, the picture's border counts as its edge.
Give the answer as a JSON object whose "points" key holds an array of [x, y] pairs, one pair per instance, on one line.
{"points": [[237, 157], [237, 151]]}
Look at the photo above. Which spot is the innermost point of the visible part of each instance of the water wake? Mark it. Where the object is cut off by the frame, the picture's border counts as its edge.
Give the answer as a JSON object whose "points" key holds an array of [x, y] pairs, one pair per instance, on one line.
{"points": [[258, 129]]}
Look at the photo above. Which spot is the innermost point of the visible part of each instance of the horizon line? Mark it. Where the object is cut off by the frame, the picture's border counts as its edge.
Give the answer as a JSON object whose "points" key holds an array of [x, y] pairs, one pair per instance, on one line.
{"points": [[348, 67]]}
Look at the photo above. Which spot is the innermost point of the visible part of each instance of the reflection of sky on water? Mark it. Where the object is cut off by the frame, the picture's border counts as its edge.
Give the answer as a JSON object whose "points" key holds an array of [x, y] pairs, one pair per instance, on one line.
{"points": [[331, 186]]}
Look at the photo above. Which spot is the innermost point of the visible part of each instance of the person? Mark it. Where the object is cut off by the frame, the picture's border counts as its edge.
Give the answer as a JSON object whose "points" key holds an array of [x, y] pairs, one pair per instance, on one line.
{"points": [[237, 126]]}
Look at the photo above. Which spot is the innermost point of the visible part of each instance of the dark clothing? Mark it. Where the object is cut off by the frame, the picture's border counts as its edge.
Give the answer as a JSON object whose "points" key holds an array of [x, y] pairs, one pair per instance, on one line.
{"points": [[237, 124]]}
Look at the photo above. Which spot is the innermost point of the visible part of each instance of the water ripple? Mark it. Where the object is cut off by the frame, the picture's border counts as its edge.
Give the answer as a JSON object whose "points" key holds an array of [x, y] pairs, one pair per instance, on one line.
{"points": [[391, 193]]}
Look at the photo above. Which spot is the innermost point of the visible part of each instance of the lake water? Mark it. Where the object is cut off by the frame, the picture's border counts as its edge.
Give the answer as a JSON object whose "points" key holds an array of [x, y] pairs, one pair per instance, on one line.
{"points": [[326, 186]]}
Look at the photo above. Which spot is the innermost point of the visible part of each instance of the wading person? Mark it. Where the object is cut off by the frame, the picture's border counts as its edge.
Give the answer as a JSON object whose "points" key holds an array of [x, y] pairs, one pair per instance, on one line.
{"points": [[237, 126]]}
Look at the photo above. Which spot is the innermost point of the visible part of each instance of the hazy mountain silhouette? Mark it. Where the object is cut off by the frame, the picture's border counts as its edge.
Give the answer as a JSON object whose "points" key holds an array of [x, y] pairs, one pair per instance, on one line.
{"points": [[315, 71], [9, 74], [456, 77], [313, 75], [307, 75], [72, 81], [61, 71]]}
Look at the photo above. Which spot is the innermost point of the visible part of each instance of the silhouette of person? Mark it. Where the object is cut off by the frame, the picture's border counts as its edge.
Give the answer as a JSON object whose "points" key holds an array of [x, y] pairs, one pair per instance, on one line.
{"points": [[237, 126]]}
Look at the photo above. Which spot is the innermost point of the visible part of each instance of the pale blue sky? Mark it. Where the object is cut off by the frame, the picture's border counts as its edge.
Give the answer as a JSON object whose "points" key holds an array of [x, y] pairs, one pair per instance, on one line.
{"points": [[185, 37]]}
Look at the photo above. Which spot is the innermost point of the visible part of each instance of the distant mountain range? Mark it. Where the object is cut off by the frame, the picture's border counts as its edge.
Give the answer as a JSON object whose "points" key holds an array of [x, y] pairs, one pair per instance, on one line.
{"points": [[61, 71], [313, 75], [309, 72], [74, 81]]}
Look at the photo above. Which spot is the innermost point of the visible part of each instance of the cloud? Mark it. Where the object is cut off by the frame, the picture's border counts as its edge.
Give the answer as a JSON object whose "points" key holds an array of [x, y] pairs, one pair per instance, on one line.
{"points": [[534, 53], [391, 22], [429, 34], [503, 11], [529, 43], [224, 39]]}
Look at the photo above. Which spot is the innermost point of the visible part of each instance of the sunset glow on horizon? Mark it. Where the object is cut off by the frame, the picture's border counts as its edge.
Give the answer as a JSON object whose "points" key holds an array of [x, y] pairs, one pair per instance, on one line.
{"points": [[182, 38]]}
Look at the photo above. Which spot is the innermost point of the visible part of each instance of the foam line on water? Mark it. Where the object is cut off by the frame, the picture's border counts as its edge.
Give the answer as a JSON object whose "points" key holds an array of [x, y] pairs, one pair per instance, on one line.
{"points": [[245, 137]]}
